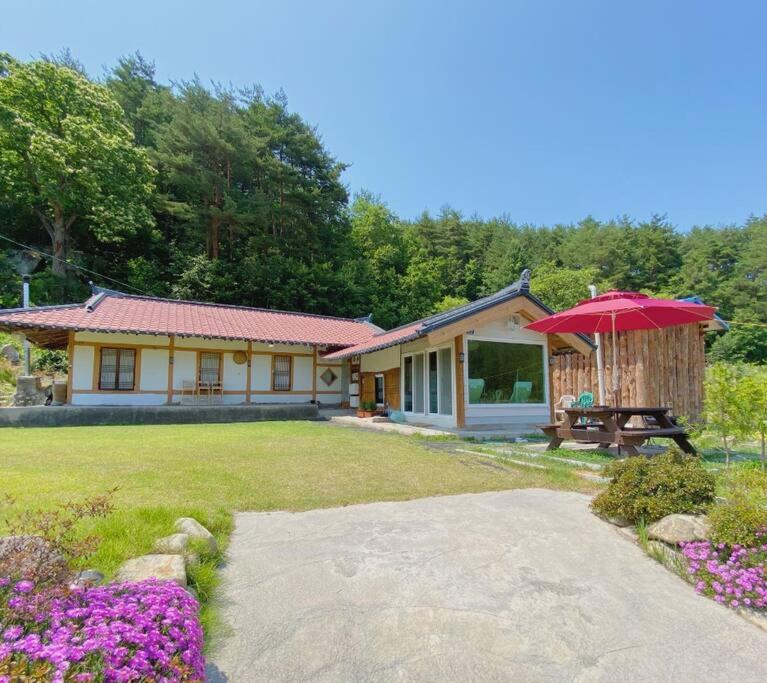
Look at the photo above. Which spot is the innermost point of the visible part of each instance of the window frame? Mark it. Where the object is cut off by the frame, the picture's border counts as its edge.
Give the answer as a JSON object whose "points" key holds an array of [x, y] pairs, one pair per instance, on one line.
{"points": [[526, 342], [290, 372], [119, 351], [426, 391], [220, 365]]}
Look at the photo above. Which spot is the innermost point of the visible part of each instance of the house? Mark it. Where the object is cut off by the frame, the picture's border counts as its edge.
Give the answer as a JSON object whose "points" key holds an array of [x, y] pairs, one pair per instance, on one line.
{"points": [[472, 365]]}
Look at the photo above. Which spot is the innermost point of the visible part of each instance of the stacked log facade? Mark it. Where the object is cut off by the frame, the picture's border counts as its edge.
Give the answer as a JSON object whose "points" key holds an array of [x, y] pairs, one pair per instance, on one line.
{"points": [[657, 368]]}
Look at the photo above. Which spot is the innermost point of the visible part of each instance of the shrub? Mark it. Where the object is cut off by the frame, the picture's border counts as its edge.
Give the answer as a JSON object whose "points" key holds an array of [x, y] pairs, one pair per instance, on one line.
{"points": [[650, 488], [733, 576], [145, 631], [738, 521], [50, 361], [45, 546]]}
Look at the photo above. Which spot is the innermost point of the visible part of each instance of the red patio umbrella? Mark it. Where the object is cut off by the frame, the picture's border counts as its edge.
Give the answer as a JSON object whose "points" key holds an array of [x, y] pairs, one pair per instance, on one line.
{"points": [[616, 311]]}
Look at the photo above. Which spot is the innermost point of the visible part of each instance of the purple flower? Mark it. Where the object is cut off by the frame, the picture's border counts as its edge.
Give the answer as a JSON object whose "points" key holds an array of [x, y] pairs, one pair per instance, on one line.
{"points": [[24, 587]]}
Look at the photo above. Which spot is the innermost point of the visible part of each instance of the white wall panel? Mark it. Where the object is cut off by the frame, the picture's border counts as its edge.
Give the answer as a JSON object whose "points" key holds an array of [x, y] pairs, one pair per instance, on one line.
{"points": [[302, 373], [154, 370], [82, 372]]}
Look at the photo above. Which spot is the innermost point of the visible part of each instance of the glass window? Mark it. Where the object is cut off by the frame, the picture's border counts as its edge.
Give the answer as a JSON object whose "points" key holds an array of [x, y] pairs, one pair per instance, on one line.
{"points": [[433, 383], [210, 367], [500, 372], [379, 389], [118, 369], [418, 383], [445, 382], [408, 365], [281, 376]]}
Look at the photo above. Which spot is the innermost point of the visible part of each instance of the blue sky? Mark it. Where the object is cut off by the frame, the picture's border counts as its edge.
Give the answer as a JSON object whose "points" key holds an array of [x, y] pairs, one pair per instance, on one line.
{"points": [[546, 111]]}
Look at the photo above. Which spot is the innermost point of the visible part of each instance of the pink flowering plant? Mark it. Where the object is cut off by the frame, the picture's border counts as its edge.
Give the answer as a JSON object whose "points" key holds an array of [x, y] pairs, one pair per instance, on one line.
{"points": [[735, 576], [145, 631]]}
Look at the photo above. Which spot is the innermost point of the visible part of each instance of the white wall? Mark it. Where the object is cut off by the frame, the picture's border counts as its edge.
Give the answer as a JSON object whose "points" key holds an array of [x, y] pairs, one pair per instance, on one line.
{"points": [[154, 370], [82, 367], [302, 373], [380, 361]]}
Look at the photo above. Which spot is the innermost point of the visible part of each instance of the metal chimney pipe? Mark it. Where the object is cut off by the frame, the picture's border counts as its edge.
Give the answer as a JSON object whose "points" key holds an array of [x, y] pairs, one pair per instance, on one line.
{"points": [[25, 304], [600, 357]]}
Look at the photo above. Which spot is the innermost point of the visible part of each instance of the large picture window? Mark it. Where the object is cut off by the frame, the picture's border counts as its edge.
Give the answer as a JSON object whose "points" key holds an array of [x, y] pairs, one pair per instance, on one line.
{"points": [[117, 371], [500, 372]]}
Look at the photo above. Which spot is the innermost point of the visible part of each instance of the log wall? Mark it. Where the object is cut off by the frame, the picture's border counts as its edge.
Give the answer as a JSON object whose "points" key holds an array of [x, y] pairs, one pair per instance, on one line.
{"points": [[657, 368]]}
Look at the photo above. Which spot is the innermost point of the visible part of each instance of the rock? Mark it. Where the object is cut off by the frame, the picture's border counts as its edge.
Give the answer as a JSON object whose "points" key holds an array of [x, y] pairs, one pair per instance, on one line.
{"points": [[674, 529], [31, 557], [663, 553], [617, 521], [165, 567], [90, 576], [175, 544], [628, 532], [29, 391], [10, 353], [195, 530]]}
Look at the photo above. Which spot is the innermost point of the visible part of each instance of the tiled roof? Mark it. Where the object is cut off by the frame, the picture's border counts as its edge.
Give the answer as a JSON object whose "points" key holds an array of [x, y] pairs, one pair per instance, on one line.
{"points": [[422, 327], [109, 311]]}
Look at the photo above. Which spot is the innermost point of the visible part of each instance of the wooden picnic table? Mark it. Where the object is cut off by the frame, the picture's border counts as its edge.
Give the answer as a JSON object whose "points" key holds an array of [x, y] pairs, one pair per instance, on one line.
{"points": [[605, 425]]}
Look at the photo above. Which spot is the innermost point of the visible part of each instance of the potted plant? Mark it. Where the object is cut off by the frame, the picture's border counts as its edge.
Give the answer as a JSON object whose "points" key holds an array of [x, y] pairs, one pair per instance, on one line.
{"points": [[367, 409]]}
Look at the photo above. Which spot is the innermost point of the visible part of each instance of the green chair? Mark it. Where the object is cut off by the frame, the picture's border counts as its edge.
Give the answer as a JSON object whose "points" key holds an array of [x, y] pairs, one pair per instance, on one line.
{"points": [[521, 392], [585, 400], [476, 389]]}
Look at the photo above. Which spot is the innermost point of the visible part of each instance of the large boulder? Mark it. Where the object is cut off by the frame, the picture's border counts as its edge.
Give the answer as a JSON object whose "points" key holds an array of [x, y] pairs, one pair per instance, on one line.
{"points": [[192, 528], [674, 529], [175, 544], [10, 353], [31, 557], [164, 567]]}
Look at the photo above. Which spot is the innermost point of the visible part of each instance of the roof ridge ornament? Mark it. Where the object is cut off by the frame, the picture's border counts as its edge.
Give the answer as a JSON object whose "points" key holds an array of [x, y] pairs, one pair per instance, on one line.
{"points": [[524, 279]]}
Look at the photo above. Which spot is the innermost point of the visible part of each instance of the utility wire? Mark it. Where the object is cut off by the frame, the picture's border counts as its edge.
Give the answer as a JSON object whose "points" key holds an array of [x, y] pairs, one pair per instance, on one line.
{"points": [[141, 291], [72, 265]]}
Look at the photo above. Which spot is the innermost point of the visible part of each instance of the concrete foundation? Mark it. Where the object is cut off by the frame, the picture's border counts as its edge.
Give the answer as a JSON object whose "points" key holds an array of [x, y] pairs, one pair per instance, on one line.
{"points": [[76, 416]]}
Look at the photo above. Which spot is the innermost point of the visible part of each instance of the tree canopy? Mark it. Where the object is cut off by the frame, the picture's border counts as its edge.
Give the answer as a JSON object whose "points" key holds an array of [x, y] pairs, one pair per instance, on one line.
{"points": [[211, 193]]}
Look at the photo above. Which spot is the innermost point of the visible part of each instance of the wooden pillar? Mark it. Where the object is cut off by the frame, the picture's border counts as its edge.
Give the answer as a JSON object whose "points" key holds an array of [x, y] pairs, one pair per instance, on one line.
{"points": [[171, 361], [460, 394], [71, 363], [248, 378], [314, 374]]}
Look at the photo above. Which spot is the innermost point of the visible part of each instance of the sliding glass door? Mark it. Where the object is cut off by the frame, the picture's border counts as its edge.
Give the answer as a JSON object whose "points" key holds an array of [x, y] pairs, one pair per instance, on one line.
{"points": [[428, 382]]}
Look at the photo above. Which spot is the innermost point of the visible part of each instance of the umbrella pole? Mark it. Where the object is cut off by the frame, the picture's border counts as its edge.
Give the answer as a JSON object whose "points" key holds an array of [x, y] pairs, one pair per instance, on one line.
{"points": [[616, 388]]}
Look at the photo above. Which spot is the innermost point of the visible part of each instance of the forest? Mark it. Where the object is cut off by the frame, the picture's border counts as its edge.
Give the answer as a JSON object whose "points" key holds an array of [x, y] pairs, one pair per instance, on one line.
{"points": [[217, 194]]}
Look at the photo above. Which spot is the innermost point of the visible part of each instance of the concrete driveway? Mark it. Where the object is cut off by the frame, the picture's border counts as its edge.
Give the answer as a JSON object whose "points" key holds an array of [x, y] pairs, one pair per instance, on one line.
{"points": [[523, 585]]}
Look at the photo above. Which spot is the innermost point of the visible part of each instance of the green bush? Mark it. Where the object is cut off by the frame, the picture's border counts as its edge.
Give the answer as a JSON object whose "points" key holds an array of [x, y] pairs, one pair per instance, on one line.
{"points": [[744, 512], [50, 362], [737, 522], [647, 489]]}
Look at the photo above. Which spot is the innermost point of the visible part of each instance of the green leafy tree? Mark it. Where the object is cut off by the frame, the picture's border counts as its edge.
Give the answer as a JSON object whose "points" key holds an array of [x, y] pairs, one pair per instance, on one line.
{"points": [[67, 155], [449, 302], [726, 407], [754, 406], [562, 288]]}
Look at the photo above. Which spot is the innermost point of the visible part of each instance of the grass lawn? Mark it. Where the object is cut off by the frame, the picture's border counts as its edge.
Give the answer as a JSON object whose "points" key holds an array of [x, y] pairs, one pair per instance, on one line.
{"points": [[212, 470], [208, 471]]}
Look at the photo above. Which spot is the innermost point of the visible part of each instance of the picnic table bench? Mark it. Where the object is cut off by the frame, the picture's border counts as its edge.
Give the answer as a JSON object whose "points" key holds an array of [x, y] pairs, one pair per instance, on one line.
{"points": [[605, 425]]}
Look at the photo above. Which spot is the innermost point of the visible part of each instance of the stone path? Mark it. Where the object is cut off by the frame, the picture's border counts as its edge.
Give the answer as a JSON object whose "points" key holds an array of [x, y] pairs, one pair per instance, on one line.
{"points": [[517, 585]]}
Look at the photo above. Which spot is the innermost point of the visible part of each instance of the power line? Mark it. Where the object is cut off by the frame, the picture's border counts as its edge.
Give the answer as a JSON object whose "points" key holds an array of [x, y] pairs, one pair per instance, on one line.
{"points": [[73, 265]]}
